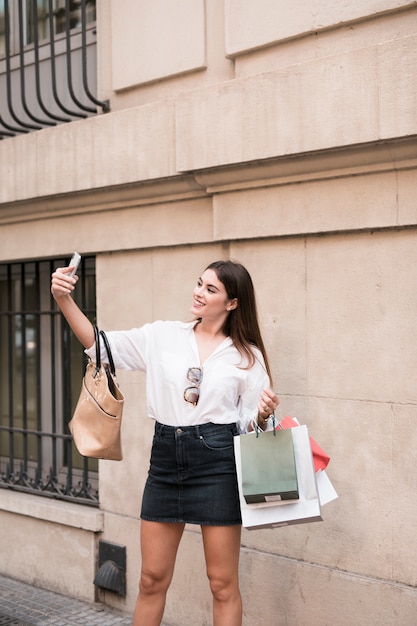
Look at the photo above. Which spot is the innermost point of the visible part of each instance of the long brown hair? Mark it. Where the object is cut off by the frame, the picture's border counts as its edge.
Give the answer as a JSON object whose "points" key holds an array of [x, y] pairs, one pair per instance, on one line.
{"points": [[241, 324]]}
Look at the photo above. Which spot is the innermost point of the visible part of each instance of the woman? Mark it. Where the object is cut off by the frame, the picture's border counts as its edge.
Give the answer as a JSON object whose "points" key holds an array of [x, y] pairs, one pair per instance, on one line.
{"points": [[207, 380]]}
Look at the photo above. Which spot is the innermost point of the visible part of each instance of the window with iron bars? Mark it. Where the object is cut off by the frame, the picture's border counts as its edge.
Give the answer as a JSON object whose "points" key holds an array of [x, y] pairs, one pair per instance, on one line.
{"points": [[38, 21], [47, 64], [42, 365]]}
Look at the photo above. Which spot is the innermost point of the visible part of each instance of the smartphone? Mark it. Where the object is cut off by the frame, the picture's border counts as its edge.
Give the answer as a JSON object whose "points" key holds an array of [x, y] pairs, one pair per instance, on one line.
{"points": [[75, 261]]}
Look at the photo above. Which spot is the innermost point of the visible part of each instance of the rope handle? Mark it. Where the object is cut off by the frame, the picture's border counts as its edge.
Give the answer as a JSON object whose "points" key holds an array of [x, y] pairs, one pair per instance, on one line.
{"points": [[258, 430]]}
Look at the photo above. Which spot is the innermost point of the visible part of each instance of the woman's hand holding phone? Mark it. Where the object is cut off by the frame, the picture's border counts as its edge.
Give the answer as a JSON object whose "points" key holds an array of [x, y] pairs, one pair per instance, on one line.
{"points": [[64, 278]]}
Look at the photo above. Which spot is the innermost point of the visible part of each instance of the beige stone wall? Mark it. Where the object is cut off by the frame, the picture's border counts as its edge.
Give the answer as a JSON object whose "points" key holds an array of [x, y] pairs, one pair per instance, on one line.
{"points": [[287, 140]]}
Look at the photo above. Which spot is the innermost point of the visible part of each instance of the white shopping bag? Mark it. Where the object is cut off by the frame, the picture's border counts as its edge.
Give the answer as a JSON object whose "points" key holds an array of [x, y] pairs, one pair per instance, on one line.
{"points": [[327, 493]]}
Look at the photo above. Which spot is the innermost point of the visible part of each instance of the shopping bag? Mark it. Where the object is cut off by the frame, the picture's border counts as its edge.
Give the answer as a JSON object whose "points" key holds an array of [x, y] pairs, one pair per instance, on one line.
{"points": [[268, 466], [274, 514], [320, 457], [327, 493]]}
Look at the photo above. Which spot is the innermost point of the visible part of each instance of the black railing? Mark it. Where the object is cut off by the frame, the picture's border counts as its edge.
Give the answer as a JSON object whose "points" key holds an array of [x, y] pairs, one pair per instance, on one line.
{"points": [[48, 59], [42, 366]]}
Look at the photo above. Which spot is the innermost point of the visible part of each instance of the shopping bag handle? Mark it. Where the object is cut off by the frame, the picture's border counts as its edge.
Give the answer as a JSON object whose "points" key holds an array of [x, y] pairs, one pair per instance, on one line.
{"points": [[258, 430]]}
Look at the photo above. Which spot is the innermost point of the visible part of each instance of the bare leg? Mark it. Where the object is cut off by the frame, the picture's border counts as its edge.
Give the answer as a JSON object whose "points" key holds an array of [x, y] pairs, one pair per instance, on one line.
{"points": [[222, 550], [159, 545]]}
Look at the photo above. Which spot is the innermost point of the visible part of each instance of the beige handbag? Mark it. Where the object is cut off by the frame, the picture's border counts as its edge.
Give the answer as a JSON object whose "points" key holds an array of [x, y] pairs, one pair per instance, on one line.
{"points": [[96, 423]]}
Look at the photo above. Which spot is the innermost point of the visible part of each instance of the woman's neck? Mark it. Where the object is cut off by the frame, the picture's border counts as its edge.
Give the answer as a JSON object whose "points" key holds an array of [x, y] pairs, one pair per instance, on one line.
{"points": [[208, 337], [212, 330]]}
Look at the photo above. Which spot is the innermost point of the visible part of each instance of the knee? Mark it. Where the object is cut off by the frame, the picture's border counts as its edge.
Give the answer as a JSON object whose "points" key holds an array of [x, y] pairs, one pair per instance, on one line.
{"points": [[152, 583], [223, 590]]}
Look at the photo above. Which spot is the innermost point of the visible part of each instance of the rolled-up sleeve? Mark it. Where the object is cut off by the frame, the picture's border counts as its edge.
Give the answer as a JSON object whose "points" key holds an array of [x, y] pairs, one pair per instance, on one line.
{"points": [[129, 348], [257, 380]]}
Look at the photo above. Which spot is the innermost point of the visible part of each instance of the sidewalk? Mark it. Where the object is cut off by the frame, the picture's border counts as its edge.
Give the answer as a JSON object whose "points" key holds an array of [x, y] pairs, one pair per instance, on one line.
{"points": [[25, 605]]}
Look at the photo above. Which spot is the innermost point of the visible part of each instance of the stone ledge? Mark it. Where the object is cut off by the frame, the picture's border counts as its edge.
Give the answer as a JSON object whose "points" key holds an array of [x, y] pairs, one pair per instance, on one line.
{"points": [[51, 510], [381, 156], [388, 155], [181, 187]]}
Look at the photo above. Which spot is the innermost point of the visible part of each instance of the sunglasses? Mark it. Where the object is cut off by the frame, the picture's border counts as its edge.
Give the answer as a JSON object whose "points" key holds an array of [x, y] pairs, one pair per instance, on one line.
{"points": [[194, 376]]}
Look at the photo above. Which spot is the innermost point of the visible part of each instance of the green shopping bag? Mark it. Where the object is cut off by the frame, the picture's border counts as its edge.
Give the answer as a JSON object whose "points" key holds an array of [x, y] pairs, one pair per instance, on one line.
{"points": [[268, 466]]}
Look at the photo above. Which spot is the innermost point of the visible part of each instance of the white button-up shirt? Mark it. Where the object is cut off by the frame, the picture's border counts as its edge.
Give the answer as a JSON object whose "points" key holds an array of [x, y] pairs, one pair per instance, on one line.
{"points": [[165, 350]]}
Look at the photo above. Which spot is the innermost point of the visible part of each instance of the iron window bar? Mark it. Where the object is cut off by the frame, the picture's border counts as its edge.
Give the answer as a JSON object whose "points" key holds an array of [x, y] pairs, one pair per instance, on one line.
{"points": [[9, 73], [18, 111], [53, 68], [41, 365], [75, 100], [53, 116], [5, 133], [22, 73], [104, 104]]}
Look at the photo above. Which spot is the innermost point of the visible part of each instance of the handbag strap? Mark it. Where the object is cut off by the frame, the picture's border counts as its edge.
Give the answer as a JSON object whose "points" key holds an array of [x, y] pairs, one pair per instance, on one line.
{"points": [[109, 354], [97, 334], [97, 344]]}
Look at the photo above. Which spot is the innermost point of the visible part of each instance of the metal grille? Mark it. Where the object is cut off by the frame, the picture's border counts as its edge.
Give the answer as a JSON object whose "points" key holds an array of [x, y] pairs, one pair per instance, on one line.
{"points": [[42, 364], [47, 53]]}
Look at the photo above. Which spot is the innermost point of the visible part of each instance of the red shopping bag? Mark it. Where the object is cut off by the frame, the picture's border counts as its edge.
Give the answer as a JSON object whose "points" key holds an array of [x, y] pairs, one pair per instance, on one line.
{"points": [[320, 457]]}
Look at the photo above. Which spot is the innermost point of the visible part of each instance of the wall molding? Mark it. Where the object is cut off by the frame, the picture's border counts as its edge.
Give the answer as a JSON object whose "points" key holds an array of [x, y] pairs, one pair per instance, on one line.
{"points": [[355, 160]]}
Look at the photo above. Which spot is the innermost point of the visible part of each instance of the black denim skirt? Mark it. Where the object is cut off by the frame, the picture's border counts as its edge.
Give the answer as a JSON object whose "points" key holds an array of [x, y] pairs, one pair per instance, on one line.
{"points": [[192, 476]]}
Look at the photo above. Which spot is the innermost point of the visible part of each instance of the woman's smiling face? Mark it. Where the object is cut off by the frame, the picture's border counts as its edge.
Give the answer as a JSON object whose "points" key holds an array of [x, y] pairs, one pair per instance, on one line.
{"points": [[210, 299]]}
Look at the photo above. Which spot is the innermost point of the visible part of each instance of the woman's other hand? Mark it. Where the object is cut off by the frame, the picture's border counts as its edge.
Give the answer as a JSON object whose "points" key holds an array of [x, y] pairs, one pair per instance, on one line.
{"points": [[266, 407], [268, 403]]}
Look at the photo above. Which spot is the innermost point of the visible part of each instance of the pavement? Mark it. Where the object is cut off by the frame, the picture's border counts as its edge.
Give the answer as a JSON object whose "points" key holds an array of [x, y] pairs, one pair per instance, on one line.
{"points": [[25, 605]]}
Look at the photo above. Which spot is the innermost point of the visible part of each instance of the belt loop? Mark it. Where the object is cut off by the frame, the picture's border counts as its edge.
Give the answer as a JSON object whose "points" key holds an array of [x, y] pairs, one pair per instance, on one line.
{"points": [[197, 431]]}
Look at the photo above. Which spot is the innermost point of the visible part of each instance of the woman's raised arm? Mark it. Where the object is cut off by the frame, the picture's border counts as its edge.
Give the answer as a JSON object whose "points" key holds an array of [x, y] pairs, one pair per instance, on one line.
{"points": [[62, 286]]}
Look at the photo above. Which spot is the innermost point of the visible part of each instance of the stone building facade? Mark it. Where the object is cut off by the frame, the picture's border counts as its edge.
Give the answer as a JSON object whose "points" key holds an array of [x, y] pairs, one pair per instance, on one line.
{"points": [[284, 135]]}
